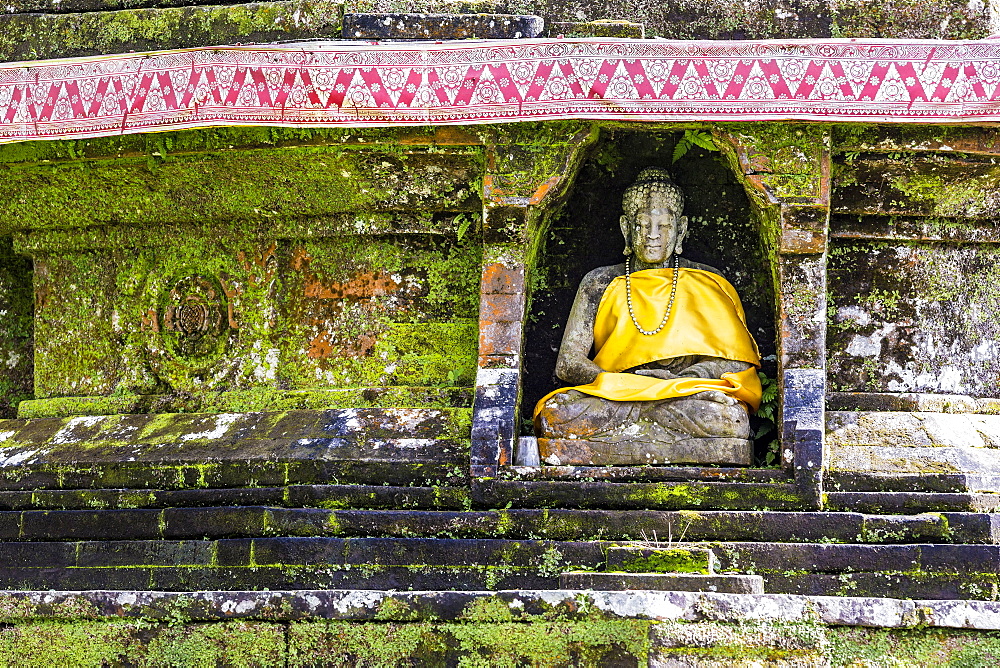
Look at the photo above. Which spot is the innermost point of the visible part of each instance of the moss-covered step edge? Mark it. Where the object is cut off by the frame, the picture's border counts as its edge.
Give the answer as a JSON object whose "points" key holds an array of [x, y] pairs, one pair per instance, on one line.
{"points": [[268, 188], [317, 627], [639, 473], [881, 503], [250, 400], [171, 451], [330, 497], [518, 605], [472, 578], [926, 483], [650, 526], [450, 470], [491, 493], [547, 557], [343, 433], [42, 36]]}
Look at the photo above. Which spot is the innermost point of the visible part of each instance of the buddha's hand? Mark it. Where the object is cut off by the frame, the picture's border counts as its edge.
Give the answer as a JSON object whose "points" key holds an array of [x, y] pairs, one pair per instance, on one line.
{"points": [[715, 395], [662, 374]]}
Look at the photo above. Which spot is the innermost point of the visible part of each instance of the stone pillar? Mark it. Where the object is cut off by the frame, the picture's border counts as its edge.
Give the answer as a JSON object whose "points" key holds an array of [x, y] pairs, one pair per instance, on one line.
{"points": [[786, 172], [528, 170]]}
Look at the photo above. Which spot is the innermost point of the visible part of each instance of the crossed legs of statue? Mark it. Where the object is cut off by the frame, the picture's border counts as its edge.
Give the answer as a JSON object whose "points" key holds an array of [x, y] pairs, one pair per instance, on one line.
{"points": [[678, 430]]}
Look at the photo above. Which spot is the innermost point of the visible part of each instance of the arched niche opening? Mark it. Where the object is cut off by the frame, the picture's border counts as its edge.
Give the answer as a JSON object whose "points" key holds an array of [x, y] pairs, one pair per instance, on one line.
{"points": [[585, 234]]}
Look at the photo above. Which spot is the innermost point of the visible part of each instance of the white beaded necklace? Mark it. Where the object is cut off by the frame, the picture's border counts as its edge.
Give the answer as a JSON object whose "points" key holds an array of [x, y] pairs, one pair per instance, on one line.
{"points": [[670, 304]]}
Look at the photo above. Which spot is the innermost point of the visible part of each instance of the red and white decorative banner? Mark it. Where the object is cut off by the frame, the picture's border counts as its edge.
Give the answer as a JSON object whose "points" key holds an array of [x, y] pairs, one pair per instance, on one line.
{"points": [[319, 84]]}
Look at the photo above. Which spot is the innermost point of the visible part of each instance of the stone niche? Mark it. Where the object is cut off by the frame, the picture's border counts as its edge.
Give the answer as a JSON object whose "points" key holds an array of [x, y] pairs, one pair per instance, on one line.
{"points": [[722, 233], [226, 271]]}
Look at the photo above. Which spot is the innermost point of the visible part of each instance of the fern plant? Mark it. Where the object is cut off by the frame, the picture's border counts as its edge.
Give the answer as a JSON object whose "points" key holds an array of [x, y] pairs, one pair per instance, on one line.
{"points": [[767, 414], [691, 139]]}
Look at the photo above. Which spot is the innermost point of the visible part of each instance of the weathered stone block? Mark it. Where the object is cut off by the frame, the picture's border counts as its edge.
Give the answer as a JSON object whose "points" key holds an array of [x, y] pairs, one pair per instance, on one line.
{"points": [[441, 26], [730, 584], [316, 301], [661, 560], [123, 553], [902, 429], [599, 28], [16, 324], [59, 35], [908, 317], [931, 185], [64, 524]]}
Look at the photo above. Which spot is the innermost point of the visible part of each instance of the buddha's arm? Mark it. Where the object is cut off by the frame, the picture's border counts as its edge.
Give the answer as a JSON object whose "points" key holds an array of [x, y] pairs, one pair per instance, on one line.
{"points": [[712, 367], [574, 364]]}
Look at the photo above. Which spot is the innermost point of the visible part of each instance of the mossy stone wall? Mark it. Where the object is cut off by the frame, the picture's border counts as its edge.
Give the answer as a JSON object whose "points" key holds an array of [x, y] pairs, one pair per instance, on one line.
{"points": [[913, 262], [15, 328], [213, 262]]}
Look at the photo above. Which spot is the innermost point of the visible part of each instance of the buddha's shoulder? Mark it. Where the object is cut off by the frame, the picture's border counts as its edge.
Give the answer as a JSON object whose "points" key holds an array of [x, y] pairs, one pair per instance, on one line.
{"points": [[688, 264], [601, 277]]}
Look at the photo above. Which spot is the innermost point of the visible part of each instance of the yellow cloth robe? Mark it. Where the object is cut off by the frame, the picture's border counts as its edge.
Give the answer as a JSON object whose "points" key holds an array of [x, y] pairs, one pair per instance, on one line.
{"points": [[707, 319]]}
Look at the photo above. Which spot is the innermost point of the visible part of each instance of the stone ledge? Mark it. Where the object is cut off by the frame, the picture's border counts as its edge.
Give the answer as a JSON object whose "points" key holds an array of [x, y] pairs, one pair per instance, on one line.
{"points": [[41, 36], [524, 605]]}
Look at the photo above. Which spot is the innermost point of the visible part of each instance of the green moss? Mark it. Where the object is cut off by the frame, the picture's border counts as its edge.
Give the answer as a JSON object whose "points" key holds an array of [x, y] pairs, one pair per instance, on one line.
{"points": [[235, 643], [16, 328], [669, 560], [257, 186], [250, 400], [486, 644], [673, 495], [896, 648], [40, 36], [950, 195]]}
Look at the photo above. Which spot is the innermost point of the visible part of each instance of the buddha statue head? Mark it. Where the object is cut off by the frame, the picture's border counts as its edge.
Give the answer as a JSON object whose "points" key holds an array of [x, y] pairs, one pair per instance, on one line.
{"points": [[652, 222]]}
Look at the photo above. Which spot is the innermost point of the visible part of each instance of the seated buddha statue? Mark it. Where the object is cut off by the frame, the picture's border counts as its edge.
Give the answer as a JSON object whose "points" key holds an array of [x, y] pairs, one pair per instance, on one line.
{"points": [[673, 374]]}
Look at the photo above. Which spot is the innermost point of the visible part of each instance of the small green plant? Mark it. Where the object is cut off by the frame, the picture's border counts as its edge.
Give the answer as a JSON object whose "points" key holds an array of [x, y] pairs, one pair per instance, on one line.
{"points": [[767, 413], [691, 139], [464, 222], [551, 563]]}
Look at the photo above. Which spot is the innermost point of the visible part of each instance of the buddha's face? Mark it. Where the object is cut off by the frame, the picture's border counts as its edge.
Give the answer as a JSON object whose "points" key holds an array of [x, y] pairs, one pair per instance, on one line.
{"points": [[657, 229]]}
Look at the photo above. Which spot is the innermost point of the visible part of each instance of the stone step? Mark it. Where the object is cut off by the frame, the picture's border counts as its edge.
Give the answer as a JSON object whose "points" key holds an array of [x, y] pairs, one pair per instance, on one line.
{"points": [[789, 558], [957, 483], [274, 578], [911, 502], [644, 474], [294, 563], [937, 586], [917, 571], [493, 493], [935, 571], [725, 584], [646, 559], [344, 553], [294, 496], [451, 470], [914, 460], [398, 446], [554, 524]]}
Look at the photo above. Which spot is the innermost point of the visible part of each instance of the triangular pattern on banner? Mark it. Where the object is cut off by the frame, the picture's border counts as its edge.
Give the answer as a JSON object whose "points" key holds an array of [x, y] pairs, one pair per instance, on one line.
{"points": [[475, 82]]}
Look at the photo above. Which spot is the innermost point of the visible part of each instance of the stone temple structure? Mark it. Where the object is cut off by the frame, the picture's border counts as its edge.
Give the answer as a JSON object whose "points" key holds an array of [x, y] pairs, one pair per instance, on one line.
{"points": [[274, 316]]}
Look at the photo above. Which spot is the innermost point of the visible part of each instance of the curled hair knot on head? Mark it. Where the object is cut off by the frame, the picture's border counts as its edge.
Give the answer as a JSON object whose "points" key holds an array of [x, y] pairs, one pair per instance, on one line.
{"points": [[651, 179]]}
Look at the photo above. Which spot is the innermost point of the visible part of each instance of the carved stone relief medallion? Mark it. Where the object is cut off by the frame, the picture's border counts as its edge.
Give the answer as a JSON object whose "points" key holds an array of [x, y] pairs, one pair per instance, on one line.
{"points": [[194, 319]]}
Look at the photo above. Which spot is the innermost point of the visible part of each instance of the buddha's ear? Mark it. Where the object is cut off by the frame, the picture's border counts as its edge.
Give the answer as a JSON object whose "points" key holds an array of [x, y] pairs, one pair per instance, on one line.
{"points": [[682, 231], [626, 229]]}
